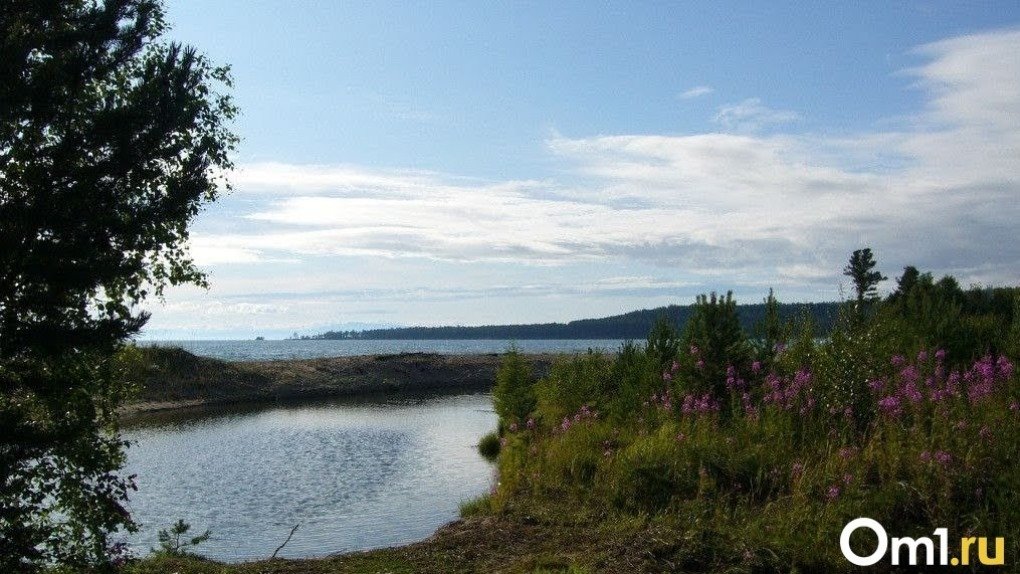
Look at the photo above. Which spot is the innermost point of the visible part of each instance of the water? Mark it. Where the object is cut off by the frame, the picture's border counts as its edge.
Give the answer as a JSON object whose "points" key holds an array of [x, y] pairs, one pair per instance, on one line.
{"points": [[355, 474], [296, 349]]}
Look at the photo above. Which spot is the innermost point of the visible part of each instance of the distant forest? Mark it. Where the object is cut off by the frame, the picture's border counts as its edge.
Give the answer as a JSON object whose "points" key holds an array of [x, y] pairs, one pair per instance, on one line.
{"points": [[634, 325]]}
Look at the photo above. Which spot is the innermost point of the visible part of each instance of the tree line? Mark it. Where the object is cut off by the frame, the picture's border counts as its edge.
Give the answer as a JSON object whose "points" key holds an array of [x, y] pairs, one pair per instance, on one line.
{"points": [[633, 325]]}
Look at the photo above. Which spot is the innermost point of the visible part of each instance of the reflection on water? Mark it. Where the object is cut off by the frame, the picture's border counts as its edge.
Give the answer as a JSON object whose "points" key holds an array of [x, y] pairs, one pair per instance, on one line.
{"points": [[355, 474]]}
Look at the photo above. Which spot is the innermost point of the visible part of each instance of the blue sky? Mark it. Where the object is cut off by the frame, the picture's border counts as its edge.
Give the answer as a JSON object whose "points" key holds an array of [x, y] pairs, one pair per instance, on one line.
{"points": [[471, 163]]}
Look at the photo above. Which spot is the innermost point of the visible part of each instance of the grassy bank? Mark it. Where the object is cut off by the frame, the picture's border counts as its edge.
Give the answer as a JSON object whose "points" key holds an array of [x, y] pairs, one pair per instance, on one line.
{"points": [[754, 454], [499, 544]]}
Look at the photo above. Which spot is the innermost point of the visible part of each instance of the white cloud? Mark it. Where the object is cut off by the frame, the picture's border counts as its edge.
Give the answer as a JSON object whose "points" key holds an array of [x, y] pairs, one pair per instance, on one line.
{"points": [[696, 92], [206, 251], [751, 115], [750, 209]]}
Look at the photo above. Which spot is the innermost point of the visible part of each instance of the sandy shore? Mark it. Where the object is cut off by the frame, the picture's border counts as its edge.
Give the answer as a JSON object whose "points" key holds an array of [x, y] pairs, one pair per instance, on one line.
{"points": [[174, 378]]}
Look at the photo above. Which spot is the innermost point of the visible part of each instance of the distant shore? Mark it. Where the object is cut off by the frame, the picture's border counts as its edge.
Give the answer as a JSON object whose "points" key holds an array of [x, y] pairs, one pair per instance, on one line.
{"points": [[173, 378]]}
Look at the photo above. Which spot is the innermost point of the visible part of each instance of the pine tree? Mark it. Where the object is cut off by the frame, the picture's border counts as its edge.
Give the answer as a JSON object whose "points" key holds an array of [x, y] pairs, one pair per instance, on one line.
{"points": [[861, 271]]}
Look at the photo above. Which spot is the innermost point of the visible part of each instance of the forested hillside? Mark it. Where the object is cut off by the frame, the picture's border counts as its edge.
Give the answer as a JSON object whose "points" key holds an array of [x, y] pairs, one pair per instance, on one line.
{"points": [[633, 325]]}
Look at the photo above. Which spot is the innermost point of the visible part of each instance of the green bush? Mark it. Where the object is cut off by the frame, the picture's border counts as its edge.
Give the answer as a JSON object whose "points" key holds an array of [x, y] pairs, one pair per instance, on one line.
{"points": [[583, 380], [514, 394], [663, 343], [489, 446], [713, 341], [175, 541]]}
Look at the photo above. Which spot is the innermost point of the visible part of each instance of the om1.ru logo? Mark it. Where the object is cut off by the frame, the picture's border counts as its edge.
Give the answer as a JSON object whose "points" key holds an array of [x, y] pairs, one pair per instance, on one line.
{"points": [[914, 545]]}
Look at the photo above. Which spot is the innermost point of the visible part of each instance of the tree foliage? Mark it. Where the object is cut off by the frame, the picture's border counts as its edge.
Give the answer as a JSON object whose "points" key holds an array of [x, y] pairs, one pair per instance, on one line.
{"points": [[176, 542], [514, 394], [110, 143], [714, 340], [634, 325], [966, 323], [663, 343], [861, 270]]}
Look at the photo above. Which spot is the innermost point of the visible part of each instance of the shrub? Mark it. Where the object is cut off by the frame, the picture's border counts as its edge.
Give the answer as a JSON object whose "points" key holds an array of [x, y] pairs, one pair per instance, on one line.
{"points": [[514, 394], [175, 541], [713, 341], [489, 446], [663, 343], [583, 380]]}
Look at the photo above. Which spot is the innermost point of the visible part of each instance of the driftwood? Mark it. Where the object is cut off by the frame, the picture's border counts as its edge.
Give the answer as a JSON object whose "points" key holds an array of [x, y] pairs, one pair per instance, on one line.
{"points": [[280, 547]]}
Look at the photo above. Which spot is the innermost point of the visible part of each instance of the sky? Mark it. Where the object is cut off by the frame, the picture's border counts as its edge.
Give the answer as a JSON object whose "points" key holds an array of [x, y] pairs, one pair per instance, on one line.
{"points": [[468, 163]]}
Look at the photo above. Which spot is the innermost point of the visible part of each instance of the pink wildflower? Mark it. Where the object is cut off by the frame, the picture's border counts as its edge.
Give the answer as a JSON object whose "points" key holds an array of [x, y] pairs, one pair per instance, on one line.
{"points": [[797, 469]]}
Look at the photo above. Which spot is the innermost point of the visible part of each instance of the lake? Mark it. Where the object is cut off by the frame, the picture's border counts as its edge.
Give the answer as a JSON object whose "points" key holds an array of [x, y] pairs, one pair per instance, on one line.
{"points": [[296, 349], [355, 474]]}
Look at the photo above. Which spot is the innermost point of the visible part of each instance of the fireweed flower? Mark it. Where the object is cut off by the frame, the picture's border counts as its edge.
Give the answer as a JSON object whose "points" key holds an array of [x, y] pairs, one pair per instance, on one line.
{"points": [[750, 410], [910, 392], [531, 424], [698, 405], [985, 433], [733, 381], [910, 375], [943, 457], [756, 367], [687, 407], [953, 384], [898, 361], [1004, 367], [890, 406], [833, 493], [797, 469]]}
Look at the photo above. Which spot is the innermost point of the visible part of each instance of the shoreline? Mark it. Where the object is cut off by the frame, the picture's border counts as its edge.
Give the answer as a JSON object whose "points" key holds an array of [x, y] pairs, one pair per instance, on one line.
{"points": [[174, 379]]}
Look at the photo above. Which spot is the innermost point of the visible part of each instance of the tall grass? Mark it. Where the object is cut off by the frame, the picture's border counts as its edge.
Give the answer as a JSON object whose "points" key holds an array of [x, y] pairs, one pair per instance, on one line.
{"points": [[770, 456]]}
